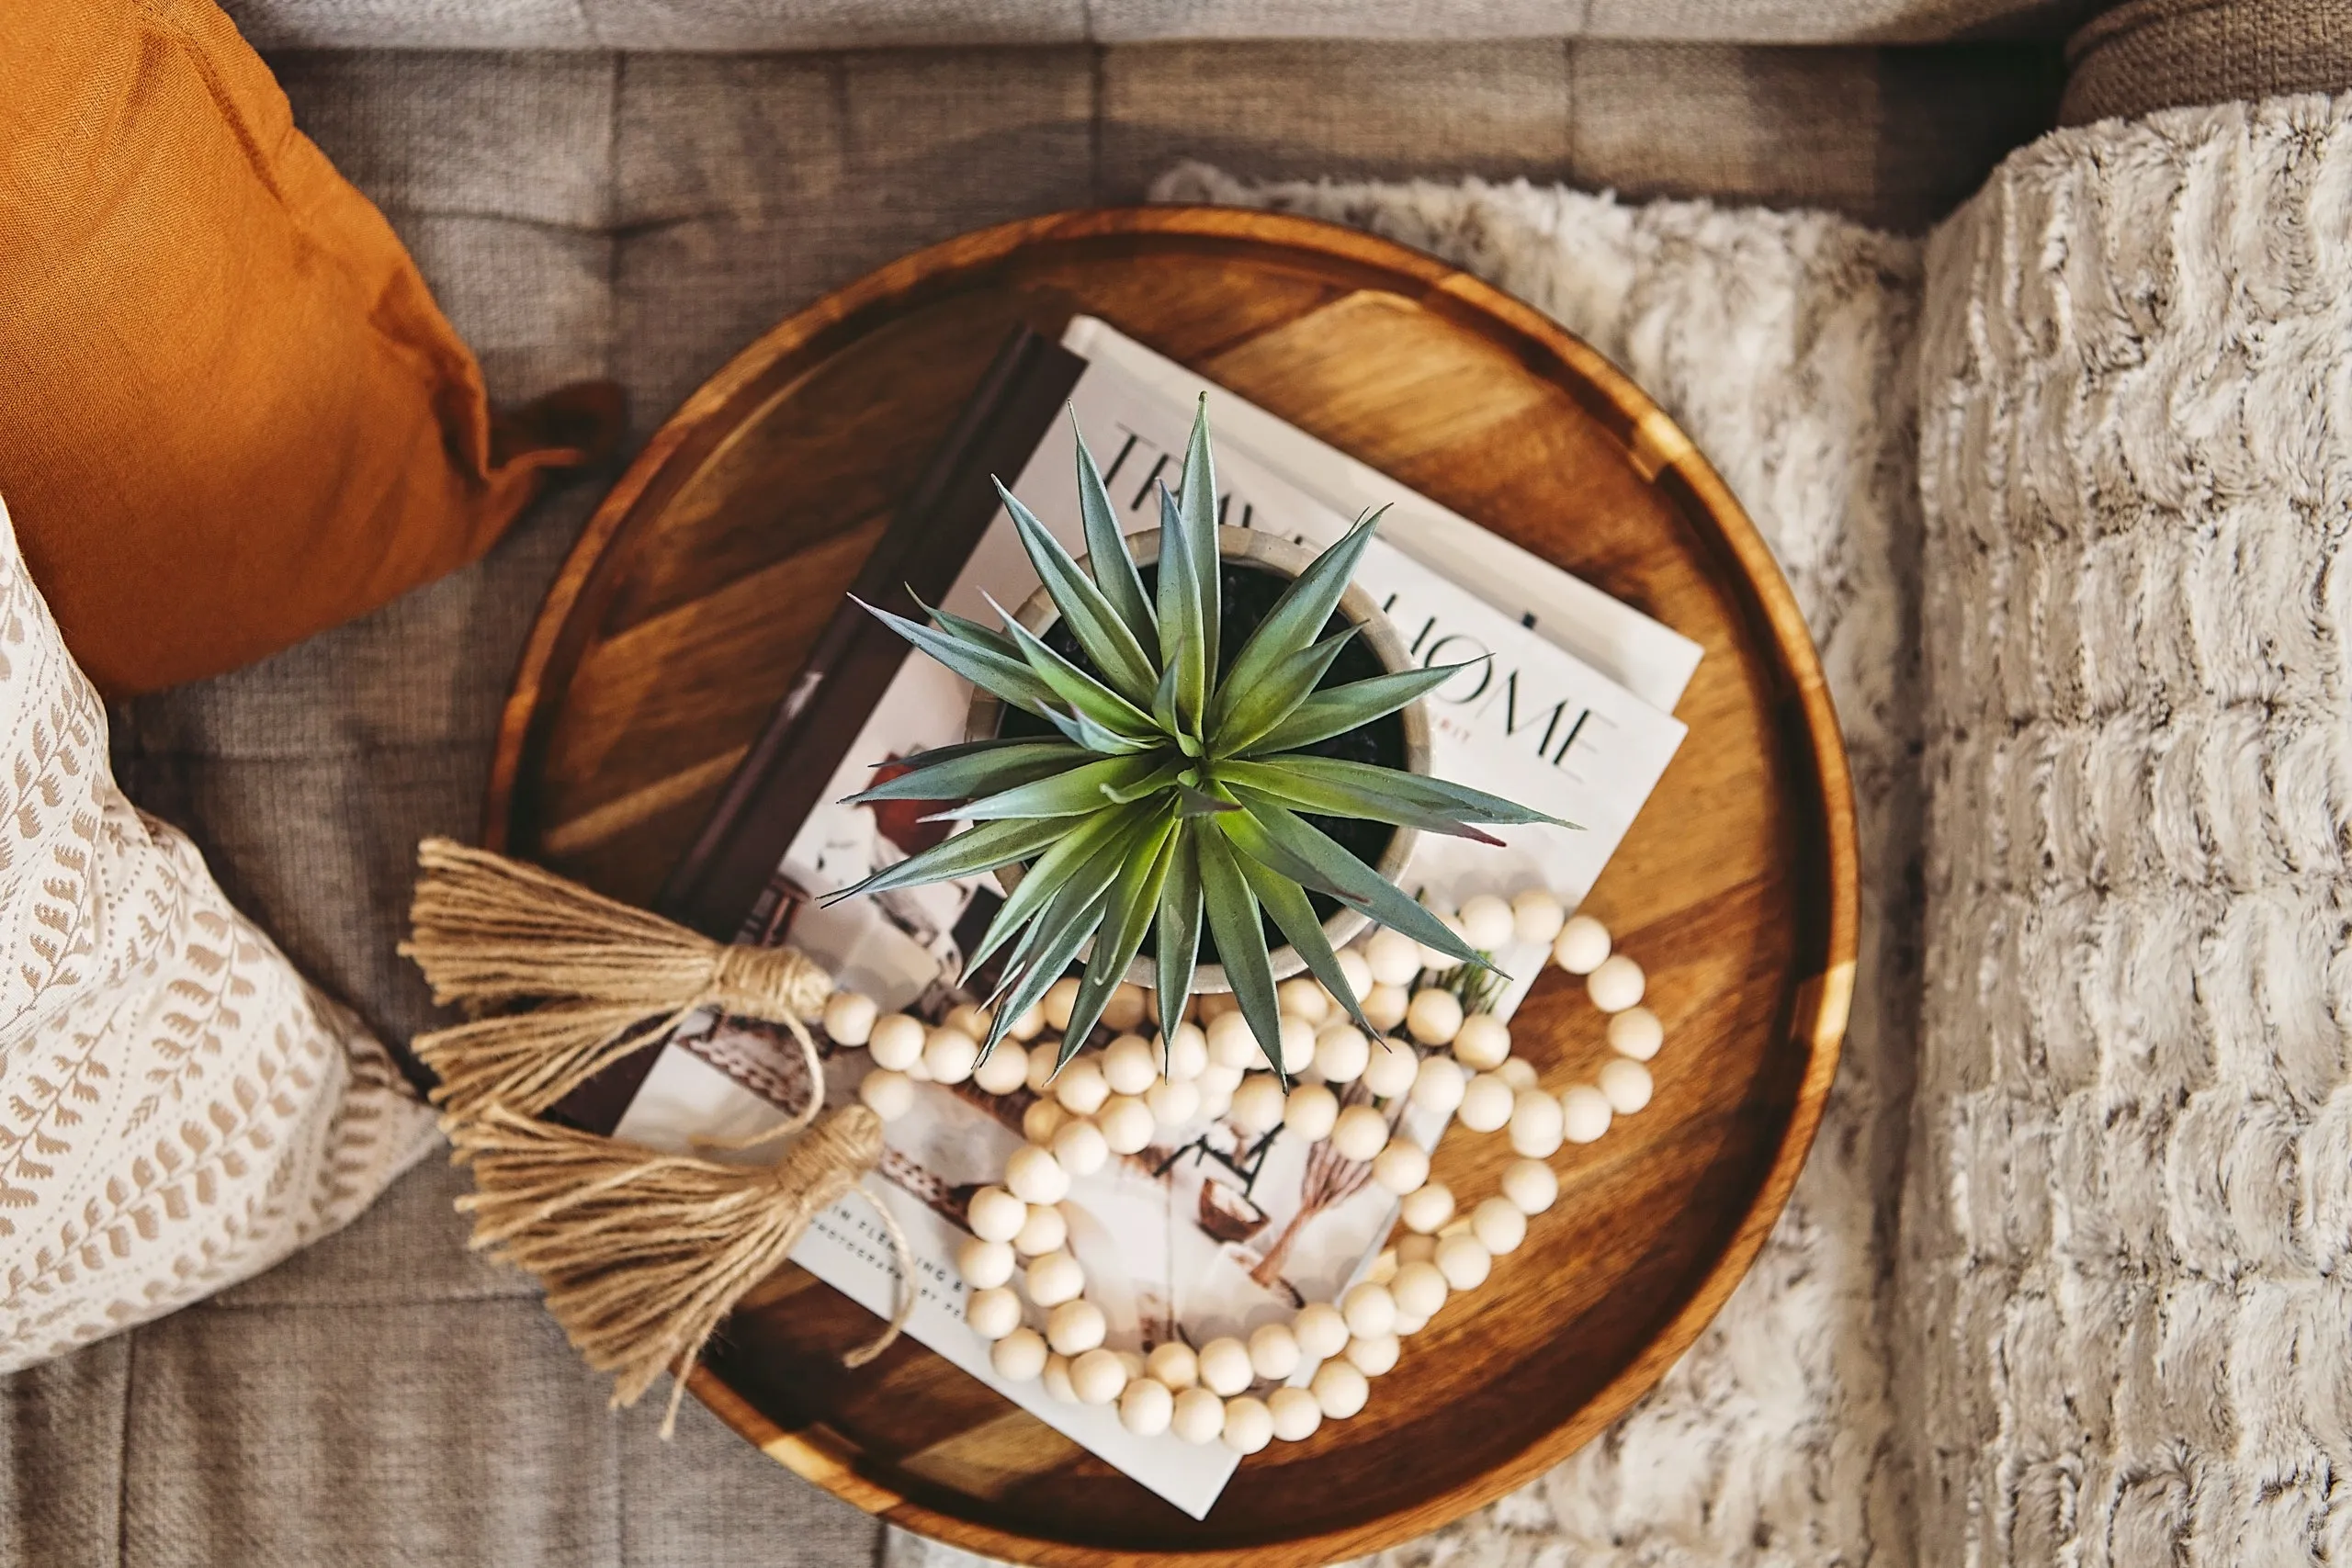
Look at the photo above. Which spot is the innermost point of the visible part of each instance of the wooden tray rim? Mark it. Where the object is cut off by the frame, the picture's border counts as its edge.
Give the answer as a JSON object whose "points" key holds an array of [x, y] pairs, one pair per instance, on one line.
{"points": [[1655, 443]]}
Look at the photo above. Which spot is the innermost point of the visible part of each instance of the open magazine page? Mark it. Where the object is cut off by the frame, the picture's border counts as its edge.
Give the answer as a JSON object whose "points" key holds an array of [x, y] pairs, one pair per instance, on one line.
{"points": [[1211, 1232]]}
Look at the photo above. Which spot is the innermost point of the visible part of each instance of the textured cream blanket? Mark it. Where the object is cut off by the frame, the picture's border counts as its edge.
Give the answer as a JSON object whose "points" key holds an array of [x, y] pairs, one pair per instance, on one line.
{"points": [[2063, 1280]]}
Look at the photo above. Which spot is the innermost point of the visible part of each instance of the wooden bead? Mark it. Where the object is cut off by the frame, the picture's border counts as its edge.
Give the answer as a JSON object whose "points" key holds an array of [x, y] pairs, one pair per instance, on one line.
{"points": [[1218, 1078], [1394, 958], [1258, 1104], [1535, 1123], [1019, 1356], [1407, 1326], [1225, 1366], [1273, 1351], [1055, 1377], [1045, 1231], [1537, 915], [1098, 1376], [1635, 1032], [1174, 1365], [849, 1018], [1210, 1006], [1626, 1084], [895, 1042], [1368, 1308], [1530, 1186], [1465, 1261], [1392, 1070], [1060, 998], [1126, 1007], [995, 1214], [1082, 1088], [1401, 1167], [1028, 1026], [994, 1313], [1248, 1424], [1146, 1407], [1074, 1327], [1434, 1016], [1384, 1007], [1126, 1123], [1487, 922], [1583, 945], [1437, 1083], [1373, 1354], [1035, 1176], [1301, 998], [1321, 1330], [1419, 1290], [1054, 1279], [1487, 1103], [1499, 1226], [1341, 1053], [1042, 1120], [1296, 1415], [950, 1055], [985, 1265], [1006, 1068], [1231, 1044], [1356, 971], [1130, 1064], [1310, 1111], [1197, 1416], [1339, 1389], [1187, 1053], [888, 1094], [1173, 1103], [1616, 985], [1585, 1114], [1518, 1072], [1296, 1043], [1428, 1209], [1359, 1134], [1483, 1043], [1081, 1147]]}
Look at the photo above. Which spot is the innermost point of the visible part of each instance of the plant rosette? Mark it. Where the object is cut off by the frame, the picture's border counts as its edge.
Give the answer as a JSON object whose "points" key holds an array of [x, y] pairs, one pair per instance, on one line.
{"points": [[1027, 1291], [1172, 787]]}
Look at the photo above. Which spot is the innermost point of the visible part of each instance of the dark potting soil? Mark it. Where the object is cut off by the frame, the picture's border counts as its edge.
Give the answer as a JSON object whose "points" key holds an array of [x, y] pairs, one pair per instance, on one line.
{"points": [[1249, 594]]}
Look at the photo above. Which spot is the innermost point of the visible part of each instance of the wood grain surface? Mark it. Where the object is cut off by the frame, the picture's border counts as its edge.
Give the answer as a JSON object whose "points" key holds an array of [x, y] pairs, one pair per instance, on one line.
{"points": [[697, 588]]}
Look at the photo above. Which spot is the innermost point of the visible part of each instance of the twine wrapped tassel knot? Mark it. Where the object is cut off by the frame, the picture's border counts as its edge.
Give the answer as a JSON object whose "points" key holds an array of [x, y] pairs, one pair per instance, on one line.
{"points": [[643, 1252]]}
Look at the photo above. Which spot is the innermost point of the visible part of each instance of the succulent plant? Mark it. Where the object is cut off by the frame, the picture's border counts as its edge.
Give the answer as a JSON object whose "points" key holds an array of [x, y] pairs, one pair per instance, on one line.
{"points": [[1173, 797]]}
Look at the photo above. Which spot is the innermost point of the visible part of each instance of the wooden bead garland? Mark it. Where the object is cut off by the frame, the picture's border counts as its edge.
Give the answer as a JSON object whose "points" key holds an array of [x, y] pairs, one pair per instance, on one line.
{"points": [[1114, 1101]]}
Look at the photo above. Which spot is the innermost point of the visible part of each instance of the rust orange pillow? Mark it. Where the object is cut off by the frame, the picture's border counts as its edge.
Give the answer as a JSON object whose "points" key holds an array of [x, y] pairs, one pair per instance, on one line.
{"points": [[230, 414]]}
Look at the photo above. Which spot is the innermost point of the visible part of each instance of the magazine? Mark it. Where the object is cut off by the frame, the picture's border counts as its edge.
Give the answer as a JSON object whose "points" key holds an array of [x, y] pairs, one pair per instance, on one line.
{"points": [[1211, 1232]]}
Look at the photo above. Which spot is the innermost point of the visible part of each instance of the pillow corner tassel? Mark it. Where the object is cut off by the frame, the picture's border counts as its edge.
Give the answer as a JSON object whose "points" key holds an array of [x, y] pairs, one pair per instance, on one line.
{"points": [[642, 1252]]}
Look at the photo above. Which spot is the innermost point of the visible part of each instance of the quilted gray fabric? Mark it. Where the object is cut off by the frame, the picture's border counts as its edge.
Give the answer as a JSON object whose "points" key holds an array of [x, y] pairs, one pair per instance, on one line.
{"points": [[869, 24], [384, 1398]]}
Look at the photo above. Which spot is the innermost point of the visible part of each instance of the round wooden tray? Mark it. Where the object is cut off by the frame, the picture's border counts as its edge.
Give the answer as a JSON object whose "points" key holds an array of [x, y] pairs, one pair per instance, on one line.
{"points": [[698, 587]]}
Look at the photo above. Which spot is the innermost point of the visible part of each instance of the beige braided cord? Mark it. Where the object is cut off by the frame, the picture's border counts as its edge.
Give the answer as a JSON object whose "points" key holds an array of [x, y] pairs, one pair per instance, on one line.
{"points": [[643, 1253]]}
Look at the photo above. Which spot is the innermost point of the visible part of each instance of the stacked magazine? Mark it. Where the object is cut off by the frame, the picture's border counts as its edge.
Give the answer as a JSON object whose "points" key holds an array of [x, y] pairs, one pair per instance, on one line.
{"points": [[1566, 703]]}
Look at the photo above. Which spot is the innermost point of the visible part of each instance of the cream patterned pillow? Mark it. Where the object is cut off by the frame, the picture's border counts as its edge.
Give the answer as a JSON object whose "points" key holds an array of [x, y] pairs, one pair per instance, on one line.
{"points": [[179, 1109]]}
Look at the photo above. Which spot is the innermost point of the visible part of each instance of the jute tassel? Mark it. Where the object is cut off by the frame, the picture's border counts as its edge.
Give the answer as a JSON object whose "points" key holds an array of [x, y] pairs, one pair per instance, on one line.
{"points": [[489, 931], [643, 1252]]}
